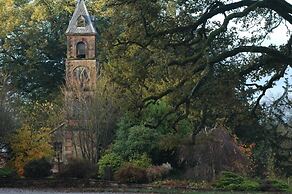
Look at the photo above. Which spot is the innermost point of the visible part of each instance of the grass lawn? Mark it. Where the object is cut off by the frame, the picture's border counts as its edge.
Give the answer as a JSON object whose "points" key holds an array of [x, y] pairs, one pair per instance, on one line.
{"points": [[214, 192], [178, 191]]}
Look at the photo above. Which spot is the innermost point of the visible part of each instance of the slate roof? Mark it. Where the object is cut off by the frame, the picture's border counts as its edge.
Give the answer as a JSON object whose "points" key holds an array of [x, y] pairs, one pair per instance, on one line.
{"points": [[80, 10]]}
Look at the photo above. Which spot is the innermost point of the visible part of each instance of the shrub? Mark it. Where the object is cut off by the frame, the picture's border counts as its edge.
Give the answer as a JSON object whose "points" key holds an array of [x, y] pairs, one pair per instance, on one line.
{"points": [[231, 181], [133, 141], [142, 161], [274, 185], [79, 169], [130, 173], [109, 160], [8, 173], [155, 173], [40, 168]]}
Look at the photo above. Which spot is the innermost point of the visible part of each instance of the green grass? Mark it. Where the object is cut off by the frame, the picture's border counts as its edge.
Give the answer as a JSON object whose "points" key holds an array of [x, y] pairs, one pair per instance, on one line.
{"points": [[179, 191]]}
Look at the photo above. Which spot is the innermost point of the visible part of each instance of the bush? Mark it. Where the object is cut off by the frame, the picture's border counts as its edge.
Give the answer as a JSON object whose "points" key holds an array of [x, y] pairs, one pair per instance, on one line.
{"points": [[142, 161], [133, 141], [79, 169], [38, 169], [130, 173], [231, 181], [109, 160], [155, 173], [274, 185], [8, 173]]}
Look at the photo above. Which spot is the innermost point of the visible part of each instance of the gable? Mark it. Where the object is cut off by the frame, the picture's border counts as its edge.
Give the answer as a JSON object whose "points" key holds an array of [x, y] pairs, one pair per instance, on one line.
{"points": [[80, 14]]}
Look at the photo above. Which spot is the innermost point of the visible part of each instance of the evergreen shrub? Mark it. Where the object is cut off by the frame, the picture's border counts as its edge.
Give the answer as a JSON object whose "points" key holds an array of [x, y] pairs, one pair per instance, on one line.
{"points": [[8, 173], [79, 169], [274, 185], [40, 168], [109, 160], [234, 182]]}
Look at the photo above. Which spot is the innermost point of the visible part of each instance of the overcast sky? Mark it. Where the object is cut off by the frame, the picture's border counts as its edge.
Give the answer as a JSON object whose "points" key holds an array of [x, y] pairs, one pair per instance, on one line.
{"points": [[280, 36]]}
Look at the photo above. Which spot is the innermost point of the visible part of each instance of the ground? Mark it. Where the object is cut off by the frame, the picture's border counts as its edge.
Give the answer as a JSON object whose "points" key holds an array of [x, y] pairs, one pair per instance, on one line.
{"points": [[28, 191]]}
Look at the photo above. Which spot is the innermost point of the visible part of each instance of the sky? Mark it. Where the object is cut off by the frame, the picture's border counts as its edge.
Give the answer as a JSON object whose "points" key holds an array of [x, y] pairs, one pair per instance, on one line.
{"points": [[279, 36]]}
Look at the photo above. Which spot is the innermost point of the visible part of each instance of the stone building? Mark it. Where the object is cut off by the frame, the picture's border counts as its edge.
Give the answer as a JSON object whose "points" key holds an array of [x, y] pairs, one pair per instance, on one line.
{"points": [[81, 75]]}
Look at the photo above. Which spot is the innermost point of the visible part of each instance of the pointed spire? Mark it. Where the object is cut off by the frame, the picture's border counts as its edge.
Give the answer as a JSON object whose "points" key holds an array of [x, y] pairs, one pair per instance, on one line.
{"points": [[80, 22]]}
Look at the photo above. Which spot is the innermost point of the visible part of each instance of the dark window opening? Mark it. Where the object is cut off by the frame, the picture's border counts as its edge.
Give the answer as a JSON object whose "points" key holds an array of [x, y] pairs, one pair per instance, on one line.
{"points": [[81, 21], [81, 54]]}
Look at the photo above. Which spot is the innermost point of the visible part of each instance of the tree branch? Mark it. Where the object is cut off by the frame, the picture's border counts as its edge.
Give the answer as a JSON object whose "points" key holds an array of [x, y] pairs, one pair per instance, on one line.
{"points": [[282, 58]]}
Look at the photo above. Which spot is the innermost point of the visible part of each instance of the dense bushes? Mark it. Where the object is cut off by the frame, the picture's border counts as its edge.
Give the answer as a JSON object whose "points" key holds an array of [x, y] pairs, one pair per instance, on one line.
{"points": [[142, 161], [38, 169], [130, 173], [109, 160], [79, 169], [231, 181], [8, 173], [155, 173], [274, 185], [136, 136], [135, 141], [141, 171]]}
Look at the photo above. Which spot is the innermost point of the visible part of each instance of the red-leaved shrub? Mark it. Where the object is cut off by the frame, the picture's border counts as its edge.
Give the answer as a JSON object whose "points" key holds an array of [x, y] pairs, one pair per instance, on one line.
{"points": [[130, 173], [158, 172]]}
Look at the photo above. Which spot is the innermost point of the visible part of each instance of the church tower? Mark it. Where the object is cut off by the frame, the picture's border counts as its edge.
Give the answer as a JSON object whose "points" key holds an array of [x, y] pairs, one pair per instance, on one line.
{"points": [[81, 73], [81, 49]]}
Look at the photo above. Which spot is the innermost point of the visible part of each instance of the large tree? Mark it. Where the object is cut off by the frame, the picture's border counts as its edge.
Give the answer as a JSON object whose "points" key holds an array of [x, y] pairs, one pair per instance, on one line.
{"points": [[33, 45], [208, 56]]}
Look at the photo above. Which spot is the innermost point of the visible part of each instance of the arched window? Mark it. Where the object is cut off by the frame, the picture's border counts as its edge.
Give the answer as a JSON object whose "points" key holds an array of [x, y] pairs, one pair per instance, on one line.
{"points": [[81, 21], [81, 53]]}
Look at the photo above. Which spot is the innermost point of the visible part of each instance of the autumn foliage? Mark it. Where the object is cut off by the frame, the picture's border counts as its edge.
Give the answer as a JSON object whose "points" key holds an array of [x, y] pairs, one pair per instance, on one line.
{"points": [[29, 144]]}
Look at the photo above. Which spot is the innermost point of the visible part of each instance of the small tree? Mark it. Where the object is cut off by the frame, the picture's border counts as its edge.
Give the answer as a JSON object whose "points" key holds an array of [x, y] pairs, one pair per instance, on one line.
{"points": [[95, 114], [7, 122], [33, 139], [29, 144]]}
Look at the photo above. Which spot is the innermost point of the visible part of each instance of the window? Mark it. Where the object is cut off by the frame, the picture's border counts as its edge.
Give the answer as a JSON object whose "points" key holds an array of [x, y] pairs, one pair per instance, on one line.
{"points": [[81, 54], [81, 21]]}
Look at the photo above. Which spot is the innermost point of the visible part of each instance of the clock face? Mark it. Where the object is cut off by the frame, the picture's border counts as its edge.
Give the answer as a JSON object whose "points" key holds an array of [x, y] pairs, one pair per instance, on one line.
{"points": [[81, 74]]}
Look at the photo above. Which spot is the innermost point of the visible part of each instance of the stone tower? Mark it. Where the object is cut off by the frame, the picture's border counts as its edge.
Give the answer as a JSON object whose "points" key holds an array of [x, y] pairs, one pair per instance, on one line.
{"points": [[81, 73]]}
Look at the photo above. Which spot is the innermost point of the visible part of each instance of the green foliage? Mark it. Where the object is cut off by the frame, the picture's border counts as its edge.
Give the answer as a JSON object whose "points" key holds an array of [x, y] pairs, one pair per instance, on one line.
{"points": [[34, 47], [38, 168], [146, 133], [112, 160], [134, 141], [79, 169], [142, 161], [184, 63], [274, 185], [8, 173], [194, 61], [42, 114], [231, 181], [129, 173]]}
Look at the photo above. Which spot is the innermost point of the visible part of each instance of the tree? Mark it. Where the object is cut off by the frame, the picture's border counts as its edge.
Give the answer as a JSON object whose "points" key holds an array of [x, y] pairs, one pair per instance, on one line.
{"points": [[33, 140], [93, 116], [32, 48], [198, 59], [7, 120], [28, 144]]}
